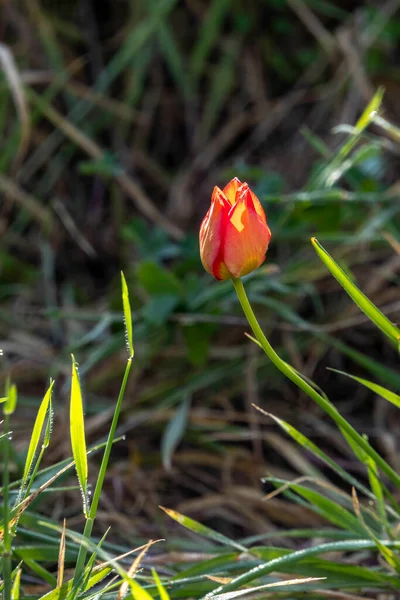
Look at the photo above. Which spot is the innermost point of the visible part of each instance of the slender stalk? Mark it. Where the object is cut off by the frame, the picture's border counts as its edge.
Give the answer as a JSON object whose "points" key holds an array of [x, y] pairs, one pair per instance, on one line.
{"points": [[7, 566], [291, 374], [87, 532]]}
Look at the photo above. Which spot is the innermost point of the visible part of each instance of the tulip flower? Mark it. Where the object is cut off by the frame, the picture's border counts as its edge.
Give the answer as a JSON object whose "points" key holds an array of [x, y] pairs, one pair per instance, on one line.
{"points": [[234, 234]]}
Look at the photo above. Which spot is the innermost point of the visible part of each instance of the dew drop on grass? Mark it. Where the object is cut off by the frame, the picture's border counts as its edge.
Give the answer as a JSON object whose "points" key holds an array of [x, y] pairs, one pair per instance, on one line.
{"points": [[9, 436], [123, 437]]}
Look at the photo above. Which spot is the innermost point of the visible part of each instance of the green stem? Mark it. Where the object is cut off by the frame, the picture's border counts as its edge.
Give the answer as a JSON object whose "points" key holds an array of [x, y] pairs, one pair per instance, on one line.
{"points": [[7, 566], [87, 532], [322, 402]]}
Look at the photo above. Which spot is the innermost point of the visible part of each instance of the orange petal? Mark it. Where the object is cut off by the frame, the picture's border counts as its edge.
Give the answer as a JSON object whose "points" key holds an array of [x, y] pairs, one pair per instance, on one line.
{"points": [[246, 237], [244, 188], [211, 230], [231, 188]]}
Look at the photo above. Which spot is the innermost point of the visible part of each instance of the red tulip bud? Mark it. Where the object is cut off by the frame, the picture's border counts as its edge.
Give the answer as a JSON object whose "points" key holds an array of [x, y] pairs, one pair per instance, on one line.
{"points": [[234, 234]]}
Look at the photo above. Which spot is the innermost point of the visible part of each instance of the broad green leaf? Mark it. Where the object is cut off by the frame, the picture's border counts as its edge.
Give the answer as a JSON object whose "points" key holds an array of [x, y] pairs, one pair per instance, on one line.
{"points": [[356, 295], [127, 315], [202, 530], [77, 433], [37, 432], [173, 432], [11, 401], [374, 387], [162, 592]]}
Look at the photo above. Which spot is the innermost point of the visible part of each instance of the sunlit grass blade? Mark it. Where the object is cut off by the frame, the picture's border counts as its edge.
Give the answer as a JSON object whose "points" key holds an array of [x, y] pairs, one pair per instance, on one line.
{"points": [[77, 433], [374, 387], [162, 592], [137, 592], [364, 304], [127, 315], [11, 401], [99, 573], [202, 530], [36, 433], [16, 585]]}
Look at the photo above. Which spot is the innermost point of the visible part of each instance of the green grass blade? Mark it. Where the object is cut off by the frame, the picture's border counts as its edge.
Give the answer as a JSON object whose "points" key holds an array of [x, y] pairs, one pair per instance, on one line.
{"points": [[202, 530], [16, 585], [374, 387], [137, 592], [11, 401], [36, 433], [364, 304], [162, 592], [127, 315], [77, 433], [99, 573]]}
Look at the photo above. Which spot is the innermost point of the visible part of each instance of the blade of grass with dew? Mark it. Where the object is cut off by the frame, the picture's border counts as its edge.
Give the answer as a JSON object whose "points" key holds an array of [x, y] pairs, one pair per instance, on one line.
{"points": [[127, 316], [364, 304], [36, 434], [202, 530], [374, 387], [80, 563], [77, 433]]}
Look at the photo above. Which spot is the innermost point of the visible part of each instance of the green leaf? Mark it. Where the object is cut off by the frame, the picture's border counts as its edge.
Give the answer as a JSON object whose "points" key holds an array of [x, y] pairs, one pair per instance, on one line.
{"points": [[127, 316], [11, 401], [77, 433], [36, 433], [364, 304], [173, 433]]}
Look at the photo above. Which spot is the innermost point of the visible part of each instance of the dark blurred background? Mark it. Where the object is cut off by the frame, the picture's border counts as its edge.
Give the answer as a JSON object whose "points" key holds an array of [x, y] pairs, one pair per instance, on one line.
{"points": [[117, 119]]}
